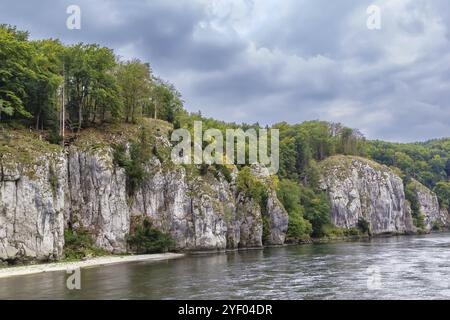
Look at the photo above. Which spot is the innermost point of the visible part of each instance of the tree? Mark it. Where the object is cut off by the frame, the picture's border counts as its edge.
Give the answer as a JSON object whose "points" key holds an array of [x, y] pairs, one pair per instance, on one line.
{"points": [[42, 99], [166, 101], [447, 168], [442, 191], [91, 85], [134, 79], [289, 194], [16, 71], [317, 209]]}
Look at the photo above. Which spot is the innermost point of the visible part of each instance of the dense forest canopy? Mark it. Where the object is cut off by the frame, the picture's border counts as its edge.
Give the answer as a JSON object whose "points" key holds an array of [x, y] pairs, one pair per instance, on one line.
{"points": [[38, 78]]}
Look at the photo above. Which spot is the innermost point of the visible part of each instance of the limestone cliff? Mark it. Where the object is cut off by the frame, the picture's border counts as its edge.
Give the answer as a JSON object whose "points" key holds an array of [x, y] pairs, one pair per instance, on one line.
{"points": [[82, 187], [434, 218], [362, 189], [33, 176]]}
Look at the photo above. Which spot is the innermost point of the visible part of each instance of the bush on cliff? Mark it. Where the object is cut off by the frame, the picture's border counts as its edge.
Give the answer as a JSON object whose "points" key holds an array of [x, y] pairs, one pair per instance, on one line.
{"points": [[299, 229], [411, 196], [252, 187], [317, 210], [134, 161], [79, 245], [145, 238]]}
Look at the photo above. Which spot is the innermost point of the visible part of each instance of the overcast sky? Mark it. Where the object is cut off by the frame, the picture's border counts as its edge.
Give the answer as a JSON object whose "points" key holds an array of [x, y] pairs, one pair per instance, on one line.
{"points": [[272, 60]]}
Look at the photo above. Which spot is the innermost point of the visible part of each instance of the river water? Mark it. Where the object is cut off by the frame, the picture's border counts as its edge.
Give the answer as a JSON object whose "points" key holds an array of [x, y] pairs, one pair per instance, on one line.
{"points": [[408, 267]]}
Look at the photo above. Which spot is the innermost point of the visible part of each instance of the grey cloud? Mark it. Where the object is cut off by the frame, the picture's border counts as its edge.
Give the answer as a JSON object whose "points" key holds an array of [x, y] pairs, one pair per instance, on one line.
{"points": [[270, 61]]}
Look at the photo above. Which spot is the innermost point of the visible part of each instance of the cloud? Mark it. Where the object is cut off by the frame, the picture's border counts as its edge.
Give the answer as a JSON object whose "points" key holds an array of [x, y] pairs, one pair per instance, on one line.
{"points": [[266, 61]]}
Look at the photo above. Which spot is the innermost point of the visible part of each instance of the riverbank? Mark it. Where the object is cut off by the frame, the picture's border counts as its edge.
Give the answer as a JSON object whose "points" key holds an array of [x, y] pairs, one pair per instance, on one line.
{"points": [[94, 262]]}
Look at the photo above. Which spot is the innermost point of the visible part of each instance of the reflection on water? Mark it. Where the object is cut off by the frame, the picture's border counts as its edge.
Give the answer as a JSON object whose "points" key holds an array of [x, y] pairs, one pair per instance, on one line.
{"points": [[385, 268]]}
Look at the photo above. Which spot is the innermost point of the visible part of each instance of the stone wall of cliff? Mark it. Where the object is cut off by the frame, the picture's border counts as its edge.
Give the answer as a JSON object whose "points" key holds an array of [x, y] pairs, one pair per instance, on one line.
{"points": [[82, 188], [45, 189], [362, 189], [433, 216]]}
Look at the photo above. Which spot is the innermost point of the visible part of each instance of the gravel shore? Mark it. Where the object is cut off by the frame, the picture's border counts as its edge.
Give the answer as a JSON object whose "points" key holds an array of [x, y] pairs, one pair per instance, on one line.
{"points": [[94, 262]]}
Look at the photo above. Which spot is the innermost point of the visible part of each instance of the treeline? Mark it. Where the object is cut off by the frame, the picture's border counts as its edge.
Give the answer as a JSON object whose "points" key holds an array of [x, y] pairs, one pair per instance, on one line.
{"points": [[48, 85]]}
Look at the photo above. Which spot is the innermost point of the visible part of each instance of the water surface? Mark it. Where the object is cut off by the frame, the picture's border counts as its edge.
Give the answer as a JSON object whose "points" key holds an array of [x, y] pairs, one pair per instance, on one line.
{"points": [[416, 267]]}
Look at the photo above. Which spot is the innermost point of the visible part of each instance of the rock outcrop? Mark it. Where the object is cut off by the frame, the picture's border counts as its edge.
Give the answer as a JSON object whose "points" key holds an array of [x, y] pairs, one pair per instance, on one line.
{"points": [[434, 218], [82, 188], [32, 208], [362, 189]]}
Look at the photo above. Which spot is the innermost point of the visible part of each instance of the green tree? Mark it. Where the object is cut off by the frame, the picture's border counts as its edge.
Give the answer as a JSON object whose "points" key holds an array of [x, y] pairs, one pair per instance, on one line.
{"points": [[289, 195], [317, 209], [442, 191], [16, 71], [91, 86], [134, 78]]}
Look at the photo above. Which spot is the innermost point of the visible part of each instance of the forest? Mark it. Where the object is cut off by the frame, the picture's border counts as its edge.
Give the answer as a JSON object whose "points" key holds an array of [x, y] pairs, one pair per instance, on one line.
{"points": [[61, 90]]}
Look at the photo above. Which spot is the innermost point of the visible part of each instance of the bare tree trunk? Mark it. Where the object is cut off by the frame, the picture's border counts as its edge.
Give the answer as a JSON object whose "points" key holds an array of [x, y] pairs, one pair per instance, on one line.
{"points": [[80, 115]]}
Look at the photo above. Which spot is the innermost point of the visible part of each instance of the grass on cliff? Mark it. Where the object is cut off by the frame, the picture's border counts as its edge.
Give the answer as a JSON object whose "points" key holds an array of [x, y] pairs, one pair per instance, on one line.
{"points": [[25, 147], [341, 164]]}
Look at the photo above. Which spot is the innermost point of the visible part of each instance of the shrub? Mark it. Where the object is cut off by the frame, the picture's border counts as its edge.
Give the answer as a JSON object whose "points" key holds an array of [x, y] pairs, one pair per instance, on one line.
{"points": [[148, 239], [252, 187], [288, 193], [317, 210], [330, 231], [79, 244], [363, 226], [134, 162], [411, 196], [442, 191]]}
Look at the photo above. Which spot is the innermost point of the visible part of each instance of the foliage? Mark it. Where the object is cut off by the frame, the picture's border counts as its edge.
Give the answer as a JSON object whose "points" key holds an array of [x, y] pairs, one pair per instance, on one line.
{"points": [[303, 144], [442, 191], [289, 195], [134, 78], [428, 162], [134, 160], [411, 196], [148, 239], [363, 226], [317, 209], [79, 244], [35, 76], [252, 187]]}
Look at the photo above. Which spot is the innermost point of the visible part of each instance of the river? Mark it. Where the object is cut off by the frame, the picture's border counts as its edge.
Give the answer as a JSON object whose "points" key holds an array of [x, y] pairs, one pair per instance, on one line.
{"points": [[406, 267]]}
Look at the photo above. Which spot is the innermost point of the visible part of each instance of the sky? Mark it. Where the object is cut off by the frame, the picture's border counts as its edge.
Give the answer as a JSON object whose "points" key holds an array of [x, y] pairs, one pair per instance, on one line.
{"points": [[268, 61]]}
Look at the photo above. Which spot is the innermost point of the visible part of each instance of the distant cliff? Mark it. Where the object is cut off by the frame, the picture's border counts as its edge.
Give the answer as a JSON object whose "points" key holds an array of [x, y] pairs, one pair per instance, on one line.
{"points": [[363, 190]]}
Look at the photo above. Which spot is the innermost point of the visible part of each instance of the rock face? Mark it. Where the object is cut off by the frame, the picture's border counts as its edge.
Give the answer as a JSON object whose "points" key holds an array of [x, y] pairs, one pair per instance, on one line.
{"points": [[362, 189], [96, 198], [32, 209], [83, 189], [429, 207]]}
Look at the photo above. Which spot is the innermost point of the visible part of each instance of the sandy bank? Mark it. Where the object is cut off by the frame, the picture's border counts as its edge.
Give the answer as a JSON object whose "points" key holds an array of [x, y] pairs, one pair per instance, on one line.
{"points": [[94, 262]]}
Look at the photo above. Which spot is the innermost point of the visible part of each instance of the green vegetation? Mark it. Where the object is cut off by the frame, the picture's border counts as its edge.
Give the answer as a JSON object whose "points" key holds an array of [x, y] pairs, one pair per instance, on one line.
{"points": [[134, 160], [363, 226], [112, 102], [36, 77], [411, 196], [427, 162], [442, 190], [79, 245], [299, 229], [252, 187], [147, 239]]}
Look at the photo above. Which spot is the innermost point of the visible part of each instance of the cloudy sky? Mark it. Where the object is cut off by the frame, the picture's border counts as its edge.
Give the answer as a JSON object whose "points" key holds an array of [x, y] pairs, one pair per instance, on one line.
{"points": [[271, 60]]}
